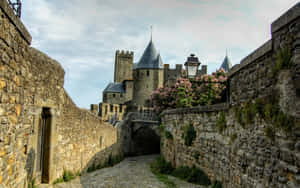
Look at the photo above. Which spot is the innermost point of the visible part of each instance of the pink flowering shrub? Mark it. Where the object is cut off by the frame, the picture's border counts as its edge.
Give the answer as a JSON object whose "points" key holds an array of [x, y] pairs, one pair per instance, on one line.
{"points": [[204, 90], [209, 89]]}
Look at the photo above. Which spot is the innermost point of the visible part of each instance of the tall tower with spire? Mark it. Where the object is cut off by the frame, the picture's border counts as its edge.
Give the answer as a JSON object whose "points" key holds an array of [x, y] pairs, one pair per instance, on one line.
{"points": [[148, 74]]}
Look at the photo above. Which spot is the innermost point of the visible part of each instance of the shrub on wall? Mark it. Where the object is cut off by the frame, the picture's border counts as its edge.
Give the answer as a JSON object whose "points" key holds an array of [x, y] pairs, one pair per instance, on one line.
{"points": [[189, 134], [283, 60], [221, 122], [268, 110], [168, 135]]}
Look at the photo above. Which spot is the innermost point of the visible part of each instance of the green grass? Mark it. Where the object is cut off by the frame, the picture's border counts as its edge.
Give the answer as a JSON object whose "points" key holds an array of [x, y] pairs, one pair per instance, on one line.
{"points": [[164, 179], [31, 184], [67, 176], [216, 184], [160, 167]]}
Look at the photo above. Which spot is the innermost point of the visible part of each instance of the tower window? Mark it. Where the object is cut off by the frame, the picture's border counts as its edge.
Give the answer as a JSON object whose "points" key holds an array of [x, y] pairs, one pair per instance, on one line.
{"points": [[120, 108], [111, 108], [114, 95], [148, 73]]}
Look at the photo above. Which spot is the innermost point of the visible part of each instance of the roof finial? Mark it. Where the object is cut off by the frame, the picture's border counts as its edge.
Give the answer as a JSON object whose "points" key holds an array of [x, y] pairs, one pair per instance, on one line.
{"points": [[151, 32]]}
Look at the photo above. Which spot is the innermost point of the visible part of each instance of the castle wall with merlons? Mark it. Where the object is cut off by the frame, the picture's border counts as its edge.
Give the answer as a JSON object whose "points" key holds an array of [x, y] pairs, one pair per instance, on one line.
{"points": [[30, 84]]}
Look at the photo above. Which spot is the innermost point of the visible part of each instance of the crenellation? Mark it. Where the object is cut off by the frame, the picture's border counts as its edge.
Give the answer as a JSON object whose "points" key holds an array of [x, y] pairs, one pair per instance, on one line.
{"points": [[178, 67]]}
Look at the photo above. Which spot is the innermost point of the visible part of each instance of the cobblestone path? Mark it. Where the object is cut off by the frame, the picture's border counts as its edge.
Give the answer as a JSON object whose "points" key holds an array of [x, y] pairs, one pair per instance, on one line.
{"points": [[132, 172]]}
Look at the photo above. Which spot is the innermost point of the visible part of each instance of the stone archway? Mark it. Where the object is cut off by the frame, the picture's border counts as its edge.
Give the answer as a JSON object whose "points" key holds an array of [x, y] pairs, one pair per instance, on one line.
{"points": [[145, 140]]}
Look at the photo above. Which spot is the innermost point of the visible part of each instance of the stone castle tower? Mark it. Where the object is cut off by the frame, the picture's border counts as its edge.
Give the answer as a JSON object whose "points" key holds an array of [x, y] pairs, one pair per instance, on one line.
{"points": [[148, 75], [123, 66]]}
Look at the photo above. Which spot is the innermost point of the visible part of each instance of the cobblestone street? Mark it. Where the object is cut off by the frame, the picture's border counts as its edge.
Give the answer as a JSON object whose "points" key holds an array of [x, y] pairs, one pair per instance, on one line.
{"points": [[133, 172]]}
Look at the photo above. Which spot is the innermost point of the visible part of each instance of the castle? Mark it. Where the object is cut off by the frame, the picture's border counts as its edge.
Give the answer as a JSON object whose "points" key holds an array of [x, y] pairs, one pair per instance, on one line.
{"points": [[134, 82]]}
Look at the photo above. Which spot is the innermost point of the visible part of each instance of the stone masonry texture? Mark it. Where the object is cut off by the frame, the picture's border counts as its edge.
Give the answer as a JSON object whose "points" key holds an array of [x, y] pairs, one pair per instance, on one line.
{"points": [[31, 82]]}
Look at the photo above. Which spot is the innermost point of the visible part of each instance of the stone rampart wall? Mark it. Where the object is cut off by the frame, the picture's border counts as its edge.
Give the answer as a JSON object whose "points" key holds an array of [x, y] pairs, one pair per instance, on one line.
{"points": [[30, 83], [239, 157]]}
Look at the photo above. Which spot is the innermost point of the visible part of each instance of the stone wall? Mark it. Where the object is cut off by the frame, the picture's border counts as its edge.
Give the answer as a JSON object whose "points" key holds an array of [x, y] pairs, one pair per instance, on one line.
{"points": [[239, 157], [32, 95], [259, 153]]}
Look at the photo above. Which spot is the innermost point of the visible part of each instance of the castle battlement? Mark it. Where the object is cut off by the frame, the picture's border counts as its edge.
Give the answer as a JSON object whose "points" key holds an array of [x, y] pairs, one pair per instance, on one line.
{"points": [[177, 67], [123, 53]]}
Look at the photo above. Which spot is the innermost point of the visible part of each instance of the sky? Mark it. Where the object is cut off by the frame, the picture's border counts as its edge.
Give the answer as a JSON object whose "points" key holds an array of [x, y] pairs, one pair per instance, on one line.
{"points": [[83, 35]]}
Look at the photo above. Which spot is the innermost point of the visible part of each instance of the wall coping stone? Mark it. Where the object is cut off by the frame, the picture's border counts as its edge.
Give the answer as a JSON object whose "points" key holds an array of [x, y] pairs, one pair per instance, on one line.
{"points": [[286, 18], [15, 21], [259, 52], [198, 109]]}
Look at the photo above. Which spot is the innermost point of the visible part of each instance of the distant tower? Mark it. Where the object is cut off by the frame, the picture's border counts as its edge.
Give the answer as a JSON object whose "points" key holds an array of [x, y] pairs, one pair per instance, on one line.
{"points": [[148, 75], [123, 66], [16, 6], [226, 65]]}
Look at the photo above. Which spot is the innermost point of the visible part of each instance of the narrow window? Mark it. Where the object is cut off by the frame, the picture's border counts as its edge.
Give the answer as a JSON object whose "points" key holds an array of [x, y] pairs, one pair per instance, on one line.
{"points": [[120, 108], [111, 108], [114, 95], [148, 73], [116, 109], [105, 109]]}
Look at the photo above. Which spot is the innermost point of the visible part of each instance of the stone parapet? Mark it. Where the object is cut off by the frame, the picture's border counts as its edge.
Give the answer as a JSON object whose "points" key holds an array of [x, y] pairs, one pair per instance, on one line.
{"points": [[261, 51], [286, 18], [198, 109]]}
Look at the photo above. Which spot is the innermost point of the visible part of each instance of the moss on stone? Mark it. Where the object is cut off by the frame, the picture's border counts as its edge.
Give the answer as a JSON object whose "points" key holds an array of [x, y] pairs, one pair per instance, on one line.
{"points": [[189, 134], [168, 135], [221, 122], [232, 138], [269, 132], [196, 155]]}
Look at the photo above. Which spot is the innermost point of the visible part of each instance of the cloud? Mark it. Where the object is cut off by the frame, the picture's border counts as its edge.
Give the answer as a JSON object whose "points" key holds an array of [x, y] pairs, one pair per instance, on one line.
{"points": [[83, 35]]}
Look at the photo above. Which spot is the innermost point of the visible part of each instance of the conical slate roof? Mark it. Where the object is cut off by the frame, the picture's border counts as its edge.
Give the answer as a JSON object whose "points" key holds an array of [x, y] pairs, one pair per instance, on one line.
{"points": [[150, 58], [226, 65]]}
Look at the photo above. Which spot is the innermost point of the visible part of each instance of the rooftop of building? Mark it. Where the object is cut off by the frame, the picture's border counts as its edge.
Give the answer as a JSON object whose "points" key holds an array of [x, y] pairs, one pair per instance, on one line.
{"points": [[150, 58], [114, 88], [226, 65]]}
